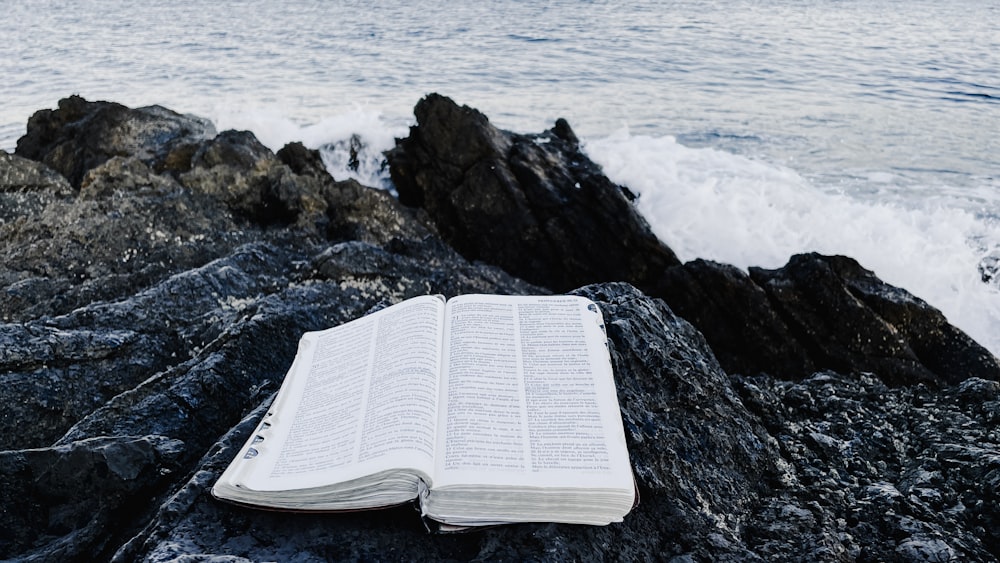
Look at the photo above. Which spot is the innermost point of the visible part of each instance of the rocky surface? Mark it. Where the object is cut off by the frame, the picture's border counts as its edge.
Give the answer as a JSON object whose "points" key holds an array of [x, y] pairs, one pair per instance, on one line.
{"points": [[533, 204], [821, 313], [157, 277], [538, 207]]}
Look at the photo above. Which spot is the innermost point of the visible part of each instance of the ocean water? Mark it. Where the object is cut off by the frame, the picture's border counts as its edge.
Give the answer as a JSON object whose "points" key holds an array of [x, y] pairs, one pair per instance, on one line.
{"points": [[752, 129]]}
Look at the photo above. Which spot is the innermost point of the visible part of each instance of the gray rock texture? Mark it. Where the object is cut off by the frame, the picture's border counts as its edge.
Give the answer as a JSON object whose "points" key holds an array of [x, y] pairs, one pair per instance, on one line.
{"points": [[156, 277], [821, 313], [532, 204]]}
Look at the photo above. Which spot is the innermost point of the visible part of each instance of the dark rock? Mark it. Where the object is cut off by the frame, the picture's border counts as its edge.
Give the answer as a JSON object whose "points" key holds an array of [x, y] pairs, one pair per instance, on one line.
{"points": [[76, 494], [254, 184], [852, 321], [58, 370], [821, 313], [534, 205], [941, 347], [701, 459], [26, 187], [120, 234], [150, 312], [302, 161], [356, 212], [737, 317], [131, 226], [81, 135], [835, 324], [878, 473]]}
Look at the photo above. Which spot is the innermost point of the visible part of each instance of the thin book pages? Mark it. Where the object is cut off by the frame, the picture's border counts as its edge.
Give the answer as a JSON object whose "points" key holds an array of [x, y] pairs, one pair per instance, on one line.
{"points": [[485, 409]]}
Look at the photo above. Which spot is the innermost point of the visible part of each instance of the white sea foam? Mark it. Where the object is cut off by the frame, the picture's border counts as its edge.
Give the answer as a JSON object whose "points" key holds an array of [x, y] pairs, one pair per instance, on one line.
{"points": [[706, 203], [332, 135]]}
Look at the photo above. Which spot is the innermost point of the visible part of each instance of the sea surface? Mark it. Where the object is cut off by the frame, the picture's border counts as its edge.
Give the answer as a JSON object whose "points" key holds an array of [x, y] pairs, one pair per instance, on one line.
{"points": [[752, 130]]}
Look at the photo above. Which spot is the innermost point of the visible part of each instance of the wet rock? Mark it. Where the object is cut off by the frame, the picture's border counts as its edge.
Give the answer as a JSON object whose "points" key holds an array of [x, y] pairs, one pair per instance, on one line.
{"points": [[302, 161], [117, 235], [253, 183], [80, 135], [131, 225], [941, 347], [58, 370], [822, 313], [153, 301], [879, 473], [738, 318], [72, 495], [856, 322], [534, 205], [26, 187]]}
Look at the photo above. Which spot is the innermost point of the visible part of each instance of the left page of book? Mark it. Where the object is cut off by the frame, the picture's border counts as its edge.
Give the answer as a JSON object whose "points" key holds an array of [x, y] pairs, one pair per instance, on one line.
{"points": [[358, 406]]}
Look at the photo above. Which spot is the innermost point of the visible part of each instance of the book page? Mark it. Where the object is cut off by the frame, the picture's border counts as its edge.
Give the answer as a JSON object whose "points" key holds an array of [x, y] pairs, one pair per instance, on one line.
{"points": [[528, 396], [359, 398]]}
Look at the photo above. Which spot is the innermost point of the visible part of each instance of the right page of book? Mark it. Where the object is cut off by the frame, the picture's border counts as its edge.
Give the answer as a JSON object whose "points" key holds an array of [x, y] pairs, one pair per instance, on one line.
{"points": [[528, 397]]}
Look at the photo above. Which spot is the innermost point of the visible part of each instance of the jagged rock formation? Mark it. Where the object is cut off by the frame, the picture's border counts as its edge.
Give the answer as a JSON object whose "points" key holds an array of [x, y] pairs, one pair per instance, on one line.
{"points": [[538, 207], [81, 135], [157, 277], [821, 313], [534, 205]]}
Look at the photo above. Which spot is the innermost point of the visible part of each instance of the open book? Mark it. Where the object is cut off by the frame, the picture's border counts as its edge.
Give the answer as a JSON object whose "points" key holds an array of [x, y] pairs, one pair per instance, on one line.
{"points": [[487, 409]]}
